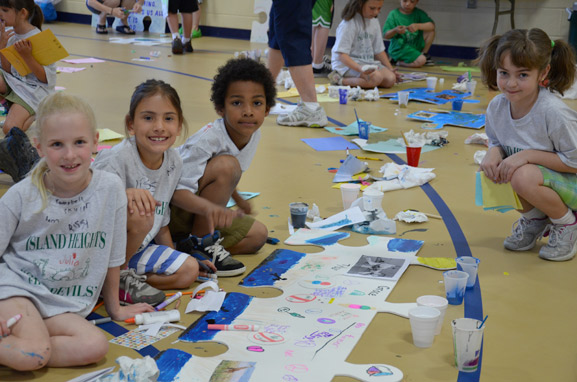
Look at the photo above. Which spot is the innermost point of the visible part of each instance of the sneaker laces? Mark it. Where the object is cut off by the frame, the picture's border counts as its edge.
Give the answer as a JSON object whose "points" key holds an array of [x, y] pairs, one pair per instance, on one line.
{"points": [[298, 114], [520, 225], [217, 251], [555, 232], [132, 278]]}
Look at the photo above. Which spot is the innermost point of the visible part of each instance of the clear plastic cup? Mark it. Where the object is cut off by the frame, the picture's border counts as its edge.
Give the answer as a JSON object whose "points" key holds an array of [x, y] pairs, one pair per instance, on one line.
{"points": [[455, 284], [349, 193], [403, 97], [470, 265], [467, 341], [431, 83]]}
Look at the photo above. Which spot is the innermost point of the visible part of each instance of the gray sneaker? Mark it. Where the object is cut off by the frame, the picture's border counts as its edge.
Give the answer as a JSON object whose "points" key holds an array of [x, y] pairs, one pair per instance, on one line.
{"points": [[303, 116], [17, 155], [562, 244], [133, 289], [526, 232], [335, 78]]}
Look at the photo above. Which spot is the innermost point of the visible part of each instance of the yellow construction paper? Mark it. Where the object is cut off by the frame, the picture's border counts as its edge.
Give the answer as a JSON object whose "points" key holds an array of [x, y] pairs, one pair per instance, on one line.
{"points": [[325, 98], [108, 135], [498, 194], [46, 49], [438, 262]]}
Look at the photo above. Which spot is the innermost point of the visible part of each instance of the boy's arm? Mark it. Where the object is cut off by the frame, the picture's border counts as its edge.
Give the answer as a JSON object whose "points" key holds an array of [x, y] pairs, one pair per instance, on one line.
{"points": [[425, 27], [216, 215], [244, 205], [399, 29]]}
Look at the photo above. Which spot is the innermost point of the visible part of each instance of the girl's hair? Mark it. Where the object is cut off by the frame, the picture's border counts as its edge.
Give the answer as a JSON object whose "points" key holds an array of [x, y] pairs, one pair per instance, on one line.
{"points": [[151, 88], [35, 16], [352, 8], [57, 103], [531, 49]]}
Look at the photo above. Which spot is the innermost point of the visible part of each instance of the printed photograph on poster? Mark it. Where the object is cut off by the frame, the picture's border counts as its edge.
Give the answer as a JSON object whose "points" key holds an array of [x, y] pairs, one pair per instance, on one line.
{"points": [[375, 267]]}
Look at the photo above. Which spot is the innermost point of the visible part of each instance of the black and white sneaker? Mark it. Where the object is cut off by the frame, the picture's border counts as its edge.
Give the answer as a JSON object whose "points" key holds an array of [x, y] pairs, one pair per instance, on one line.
{"points": [[210, 247], [322, 72], [429, 61]]}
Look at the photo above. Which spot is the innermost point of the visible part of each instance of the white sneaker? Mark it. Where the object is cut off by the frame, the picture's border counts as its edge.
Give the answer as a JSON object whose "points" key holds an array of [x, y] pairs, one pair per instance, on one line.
{"points": [[303, 116], [335, 78], [562, 244]]}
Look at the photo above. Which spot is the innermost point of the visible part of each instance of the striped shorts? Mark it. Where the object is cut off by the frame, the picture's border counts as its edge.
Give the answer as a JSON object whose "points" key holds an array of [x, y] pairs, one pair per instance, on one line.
{"points": [[158, 259]]}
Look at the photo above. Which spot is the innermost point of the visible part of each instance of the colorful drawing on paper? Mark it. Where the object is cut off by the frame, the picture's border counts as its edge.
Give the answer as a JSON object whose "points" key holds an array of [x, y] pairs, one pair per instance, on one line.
{"points": [[453, 118], [427, 96], [138, 340], [316, 321]]}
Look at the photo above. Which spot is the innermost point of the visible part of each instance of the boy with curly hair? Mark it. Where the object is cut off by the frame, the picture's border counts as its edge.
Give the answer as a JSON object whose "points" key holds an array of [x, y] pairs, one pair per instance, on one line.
{"points": [[214, 159]]}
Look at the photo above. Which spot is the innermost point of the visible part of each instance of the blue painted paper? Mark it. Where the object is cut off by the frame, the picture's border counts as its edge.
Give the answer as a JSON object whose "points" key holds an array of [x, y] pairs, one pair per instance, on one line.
{"points": [[272, 268]]}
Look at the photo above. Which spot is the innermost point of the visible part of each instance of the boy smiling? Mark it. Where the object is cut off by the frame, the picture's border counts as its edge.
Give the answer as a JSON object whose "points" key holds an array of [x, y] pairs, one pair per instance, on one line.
{"points": [[214, 159]]}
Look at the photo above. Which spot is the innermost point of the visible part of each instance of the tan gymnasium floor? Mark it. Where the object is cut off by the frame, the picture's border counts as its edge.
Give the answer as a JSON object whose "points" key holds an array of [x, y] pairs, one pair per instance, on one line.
{"points": [[531, 331]]}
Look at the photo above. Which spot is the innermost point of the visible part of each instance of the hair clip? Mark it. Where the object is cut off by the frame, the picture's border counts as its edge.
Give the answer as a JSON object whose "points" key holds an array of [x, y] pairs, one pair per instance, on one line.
{"points": [[552, 44]]}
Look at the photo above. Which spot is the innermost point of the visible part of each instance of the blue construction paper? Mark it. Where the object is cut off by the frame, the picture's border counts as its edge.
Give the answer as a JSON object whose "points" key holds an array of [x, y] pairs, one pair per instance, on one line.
{"points": [[330, 144], [350, 167], [353, 129], [478, 190], [453, 118]]}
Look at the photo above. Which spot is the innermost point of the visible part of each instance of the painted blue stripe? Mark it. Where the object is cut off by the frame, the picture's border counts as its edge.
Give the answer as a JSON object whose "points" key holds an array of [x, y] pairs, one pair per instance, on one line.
{"points": [[170, 362], [473, 298], [272, 268]]}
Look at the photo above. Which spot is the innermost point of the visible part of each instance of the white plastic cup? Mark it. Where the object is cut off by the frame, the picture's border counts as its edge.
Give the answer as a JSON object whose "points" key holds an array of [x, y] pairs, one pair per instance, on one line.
{"points": [[349, 192], [403, 97], [455, 284], [470, 265], [467, 340], [423, 324], [372, 199], [437, 302], [431, 83], [471, 85]]}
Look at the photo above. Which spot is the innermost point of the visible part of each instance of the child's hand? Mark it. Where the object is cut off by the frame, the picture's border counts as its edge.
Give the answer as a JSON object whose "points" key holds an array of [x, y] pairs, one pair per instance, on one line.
{"points": [[209, 264], [490, 164], [4, 35], [24, 47], [220, 217], [137, 7], [401, 29], [510, 164], [245, 206], [141, 201], [413, 27], [129, 311]]}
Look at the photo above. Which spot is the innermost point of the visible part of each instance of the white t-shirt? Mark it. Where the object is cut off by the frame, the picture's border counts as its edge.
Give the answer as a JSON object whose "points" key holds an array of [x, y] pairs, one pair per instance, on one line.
{"points": [[124, 161], [29, 87], [58, 257], [551, 126], [361, 39], [211, 141]]}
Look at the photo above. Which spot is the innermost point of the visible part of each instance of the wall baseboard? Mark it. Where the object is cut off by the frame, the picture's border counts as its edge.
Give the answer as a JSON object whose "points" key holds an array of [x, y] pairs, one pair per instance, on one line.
{"points": [[449, 51]]}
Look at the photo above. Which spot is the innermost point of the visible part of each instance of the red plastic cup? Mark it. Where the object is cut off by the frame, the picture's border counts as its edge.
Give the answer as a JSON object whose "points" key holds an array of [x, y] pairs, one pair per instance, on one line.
{"points": [[413, 155]]}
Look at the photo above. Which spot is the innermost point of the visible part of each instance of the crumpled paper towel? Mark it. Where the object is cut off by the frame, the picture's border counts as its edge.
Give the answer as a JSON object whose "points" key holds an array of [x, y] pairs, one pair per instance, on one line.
{"points": [[411, 217], [133, 370], [396, 177]]}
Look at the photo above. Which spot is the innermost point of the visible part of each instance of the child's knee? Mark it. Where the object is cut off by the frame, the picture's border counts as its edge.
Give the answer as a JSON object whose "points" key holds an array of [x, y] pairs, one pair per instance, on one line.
{"points": [[525, 177], [97, 349], [36, 355], [258, 234], [420, 61], [187, 274]]}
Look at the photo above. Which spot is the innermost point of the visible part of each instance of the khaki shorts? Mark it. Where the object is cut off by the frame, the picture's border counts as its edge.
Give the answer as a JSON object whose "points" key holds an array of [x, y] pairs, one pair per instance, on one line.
{"points": [[14, 98], [181, 222]]}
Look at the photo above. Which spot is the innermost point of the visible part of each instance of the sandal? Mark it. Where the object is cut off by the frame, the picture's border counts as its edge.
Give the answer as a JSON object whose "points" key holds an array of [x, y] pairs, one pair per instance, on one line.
{"points": [[101, 29], [124, 29]]}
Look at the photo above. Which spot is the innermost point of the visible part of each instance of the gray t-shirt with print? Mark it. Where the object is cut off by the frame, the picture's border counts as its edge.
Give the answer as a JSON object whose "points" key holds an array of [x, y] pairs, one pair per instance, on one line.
{"points": [[58, 257], [550, 126], [124, 161]]}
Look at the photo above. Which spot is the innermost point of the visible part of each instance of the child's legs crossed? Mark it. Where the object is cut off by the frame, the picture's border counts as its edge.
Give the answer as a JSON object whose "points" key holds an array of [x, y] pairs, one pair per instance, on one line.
{"points": [[28, 346], [19, 117], [75, 341], [411, 57], [165, 268], [547, 190], [429, 38]]}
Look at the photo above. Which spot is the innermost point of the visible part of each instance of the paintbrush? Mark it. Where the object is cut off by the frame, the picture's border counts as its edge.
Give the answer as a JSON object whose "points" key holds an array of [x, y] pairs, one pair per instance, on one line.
{"points": [[405, 139]]}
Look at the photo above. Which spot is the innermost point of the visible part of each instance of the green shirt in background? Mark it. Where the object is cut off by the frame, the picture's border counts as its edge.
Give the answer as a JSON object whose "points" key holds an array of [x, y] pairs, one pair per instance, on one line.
{"points": [[406, 47]]}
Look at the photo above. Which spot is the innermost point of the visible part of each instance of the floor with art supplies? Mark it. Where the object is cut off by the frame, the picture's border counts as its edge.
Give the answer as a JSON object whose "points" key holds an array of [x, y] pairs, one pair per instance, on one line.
{"points": [[331, 302]]}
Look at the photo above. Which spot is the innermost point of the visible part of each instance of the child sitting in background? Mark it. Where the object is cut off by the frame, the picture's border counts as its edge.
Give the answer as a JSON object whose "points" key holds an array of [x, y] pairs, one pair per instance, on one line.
{"points": [[411, 32], [62, 241], [151, 171], [214, 159], [532, 136], [358, 56]]}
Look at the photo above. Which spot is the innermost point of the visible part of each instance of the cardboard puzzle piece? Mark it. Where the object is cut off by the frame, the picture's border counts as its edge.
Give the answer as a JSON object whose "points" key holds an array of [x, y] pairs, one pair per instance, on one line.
{"points": [[438, 98], [259, 30], [306, 333], [453, 118]]}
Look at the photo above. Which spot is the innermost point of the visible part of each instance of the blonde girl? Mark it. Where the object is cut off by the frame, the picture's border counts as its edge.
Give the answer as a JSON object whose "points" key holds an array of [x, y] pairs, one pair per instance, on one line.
{"points": [[22, 93], [358, 56], [61, 244], [533, 136]]}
